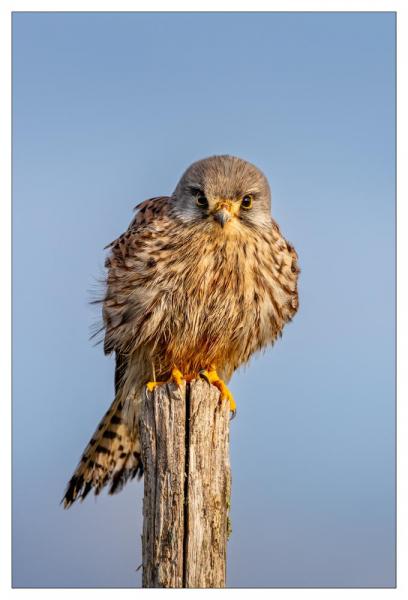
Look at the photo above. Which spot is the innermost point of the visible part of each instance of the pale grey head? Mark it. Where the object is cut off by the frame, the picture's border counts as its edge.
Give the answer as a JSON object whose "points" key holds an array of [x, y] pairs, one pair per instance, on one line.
{"points": [[225, 191]]}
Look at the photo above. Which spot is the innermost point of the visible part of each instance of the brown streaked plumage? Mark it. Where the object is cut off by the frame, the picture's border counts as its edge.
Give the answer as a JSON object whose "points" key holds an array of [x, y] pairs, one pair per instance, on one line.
{"points": [[201, 278]]}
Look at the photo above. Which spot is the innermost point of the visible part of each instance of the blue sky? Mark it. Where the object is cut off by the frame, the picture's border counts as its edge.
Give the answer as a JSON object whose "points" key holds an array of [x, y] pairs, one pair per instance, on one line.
{"points": [[109, 109]]}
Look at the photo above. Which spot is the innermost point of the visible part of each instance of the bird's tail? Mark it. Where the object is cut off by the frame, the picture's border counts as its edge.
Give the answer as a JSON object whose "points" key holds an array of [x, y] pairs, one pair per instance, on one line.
{"points": [[111, 457]]}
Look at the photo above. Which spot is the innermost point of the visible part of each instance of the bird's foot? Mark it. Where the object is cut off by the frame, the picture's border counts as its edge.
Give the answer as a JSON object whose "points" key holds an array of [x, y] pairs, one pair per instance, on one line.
{"points": [[176, 377], [212, 378], [152, 385]]}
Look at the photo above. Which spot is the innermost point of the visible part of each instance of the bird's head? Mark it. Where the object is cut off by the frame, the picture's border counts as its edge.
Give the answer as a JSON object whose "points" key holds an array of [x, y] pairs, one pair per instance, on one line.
{"points": [[225, 192]]}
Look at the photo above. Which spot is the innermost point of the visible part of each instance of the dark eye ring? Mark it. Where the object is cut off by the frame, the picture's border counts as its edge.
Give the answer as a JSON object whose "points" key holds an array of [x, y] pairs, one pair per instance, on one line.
{"points": [[202, 201], [246, 202]]}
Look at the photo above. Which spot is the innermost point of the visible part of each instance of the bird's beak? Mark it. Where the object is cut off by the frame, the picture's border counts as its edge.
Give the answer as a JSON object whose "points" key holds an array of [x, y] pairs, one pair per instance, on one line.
{"points": [[222, 213]]}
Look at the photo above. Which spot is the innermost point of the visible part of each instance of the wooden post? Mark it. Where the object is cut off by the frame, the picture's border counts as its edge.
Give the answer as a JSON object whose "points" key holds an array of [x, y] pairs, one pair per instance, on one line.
{"points": [[187, 486]]}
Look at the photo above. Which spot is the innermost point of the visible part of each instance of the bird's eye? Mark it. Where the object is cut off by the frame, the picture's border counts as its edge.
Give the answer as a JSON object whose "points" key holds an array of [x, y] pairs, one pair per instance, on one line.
{"points": [[201, 200], [246, 202]]}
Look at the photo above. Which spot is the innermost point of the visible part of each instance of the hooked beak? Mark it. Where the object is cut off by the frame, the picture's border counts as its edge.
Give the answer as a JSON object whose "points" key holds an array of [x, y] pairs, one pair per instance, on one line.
{"points": [[222, 213], [222, 216]]}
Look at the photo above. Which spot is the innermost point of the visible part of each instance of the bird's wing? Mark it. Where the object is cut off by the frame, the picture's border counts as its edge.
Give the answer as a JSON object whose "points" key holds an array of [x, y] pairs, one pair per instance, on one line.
{"points": [[146, 214], [129, 269]]}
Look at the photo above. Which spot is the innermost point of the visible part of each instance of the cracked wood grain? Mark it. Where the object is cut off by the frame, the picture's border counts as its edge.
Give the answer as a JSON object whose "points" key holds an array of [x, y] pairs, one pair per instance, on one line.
{"points": [[185, 452]]}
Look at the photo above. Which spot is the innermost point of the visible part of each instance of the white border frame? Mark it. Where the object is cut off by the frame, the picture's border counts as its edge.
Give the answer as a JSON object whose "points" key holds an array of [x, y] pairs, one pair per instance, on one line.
{"points": [[6, 8]]}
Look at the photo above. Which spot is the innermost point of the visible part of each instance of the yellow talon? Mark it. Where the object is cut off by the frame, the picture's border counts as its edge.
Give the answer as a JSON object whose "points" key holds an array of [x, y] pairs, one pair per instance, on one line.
{"points": [[225, 393], [212, 377], [176, 377], [151, 385]]}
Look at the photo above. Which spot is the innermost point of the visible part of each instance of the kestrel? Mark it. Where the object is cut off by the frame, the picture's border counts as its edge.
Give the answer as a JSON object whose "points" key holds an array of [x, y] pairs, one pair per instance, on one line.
{"points": [[200, 281]]}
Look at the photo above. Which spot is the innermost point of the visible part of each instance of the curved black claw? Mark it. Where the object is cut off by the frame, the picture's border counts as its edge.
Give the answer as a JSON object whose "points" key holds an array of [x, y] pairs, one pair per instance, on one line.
{"points": [[204, 375]]}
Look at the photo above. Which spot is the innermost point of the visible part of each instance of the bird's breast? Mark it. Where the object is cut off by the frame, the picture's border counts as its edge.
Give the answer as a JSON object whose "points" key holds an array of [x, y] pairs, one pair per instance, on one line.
{"points": [[212, 305]]}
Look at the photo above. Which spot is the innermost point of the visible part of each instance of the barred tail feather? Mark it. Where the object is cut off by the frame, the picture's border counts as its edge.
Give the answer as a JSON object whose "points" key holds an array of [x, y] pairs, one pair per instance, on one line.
{"points": [[111, 457]]}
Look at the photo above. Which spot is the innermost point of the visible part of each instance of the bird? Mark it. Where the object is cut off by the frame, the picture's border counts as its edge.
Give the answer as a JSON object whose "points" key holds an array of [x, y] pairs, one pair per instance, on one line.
{"points": [[199, 282]]}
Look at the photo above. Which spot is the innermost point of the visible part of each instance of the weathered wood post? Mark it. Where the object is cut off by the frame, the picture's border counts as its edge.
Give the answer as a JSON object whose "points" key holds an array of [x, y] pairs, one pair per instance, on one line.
{"points": [[187, 486]]}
